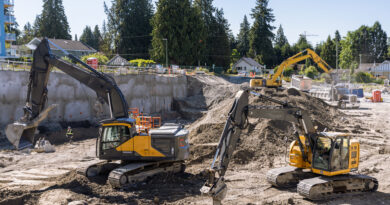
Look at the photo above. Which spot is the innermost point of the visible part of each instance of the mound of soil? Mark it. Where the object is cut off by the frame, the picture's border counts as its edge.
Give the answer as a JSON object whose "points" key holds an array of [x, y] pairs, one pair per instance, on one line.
{"points": [[263, 139]]}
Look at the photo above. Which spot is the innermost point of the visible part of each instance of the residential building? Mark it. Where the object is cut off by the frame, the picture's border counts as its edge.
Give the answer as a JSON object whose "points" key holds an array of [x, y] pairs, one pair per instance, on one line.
{"points": [[248, 65], [382, 69], [7, 19], [75, 48], [117, 60]]}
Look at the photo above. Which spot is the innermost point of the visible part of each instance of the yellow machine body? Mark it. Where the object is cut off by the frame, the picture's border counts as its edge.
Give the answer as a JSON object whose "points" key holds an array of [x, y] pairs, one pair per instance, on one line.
{"points": [[275, 80], [341, 154], [120, 140]]}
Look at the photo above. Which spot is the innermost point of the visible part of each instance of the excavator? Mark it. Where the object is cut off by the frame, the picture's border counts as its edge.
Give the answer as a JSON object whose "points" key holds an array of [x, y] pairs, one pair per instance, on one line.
{"points": [[125, 154], [320, 163], [275, 80]]}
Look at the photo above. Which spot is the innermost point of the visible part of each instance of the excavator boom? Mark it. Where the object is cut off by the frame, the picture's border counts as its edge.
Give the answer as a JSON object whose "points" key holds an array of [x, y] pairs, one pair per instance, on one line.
{"points": [[105, 87]]}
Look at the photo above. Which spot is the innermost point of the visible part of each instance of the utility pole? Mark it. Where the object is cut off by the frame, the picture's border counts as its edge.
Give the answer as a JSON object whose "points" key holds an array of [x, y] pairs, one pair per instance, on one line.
{"points": [[166, 51]]}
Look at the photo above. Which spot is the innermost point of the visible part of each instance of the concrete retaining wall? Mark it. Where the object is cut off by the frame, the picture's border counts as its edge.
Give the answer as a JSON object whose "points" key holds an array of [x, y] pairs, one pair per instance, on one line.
{"points": [[76, 102]]}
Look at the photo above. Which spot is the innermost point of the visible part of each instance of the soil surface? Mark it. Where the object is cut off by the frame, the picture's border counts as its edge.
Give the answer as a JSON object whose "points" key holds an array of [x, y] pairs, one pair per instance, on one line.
{"points": [[27, 177]]}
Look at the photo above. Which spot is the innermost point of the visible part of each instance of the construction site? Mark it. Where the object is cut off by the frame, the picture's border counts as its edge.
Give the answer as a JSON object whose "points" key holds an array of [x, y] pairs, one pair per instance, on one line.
{"points": [[178, 134], [260, 123]]}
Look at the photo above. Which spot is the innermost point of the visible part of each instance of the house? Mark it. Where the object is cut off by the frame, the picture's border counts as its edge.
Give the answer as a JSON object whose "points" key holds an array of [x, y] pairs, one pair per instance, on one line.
{"points": [[248, 65], [365, 67], [117, 60], [382, 69], [76, 48]]}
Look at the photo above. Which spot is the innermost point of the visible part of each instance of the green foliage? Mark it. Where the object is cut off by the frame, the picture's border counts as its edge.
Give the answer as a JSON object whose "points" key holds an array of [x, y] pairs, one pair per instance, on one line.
{"points": [[235, 56], [311, 72], [141, 62], [27, 36], [100, 56], [217, 43], [367, 44], [328, 52], [288, 71], [129, 26], [282, 47], [182, 25], [261, 34], [243, 37], [231, 71], [280, 38], [301, 45], [52, 22], [65, 58], [363, 77]]}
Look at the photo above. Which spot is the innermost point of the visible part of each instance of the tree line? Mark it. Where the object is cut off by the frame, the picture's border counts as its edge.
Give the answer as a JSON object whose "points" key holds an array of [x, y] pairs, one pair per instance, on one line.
{"points": [[195, 32]]}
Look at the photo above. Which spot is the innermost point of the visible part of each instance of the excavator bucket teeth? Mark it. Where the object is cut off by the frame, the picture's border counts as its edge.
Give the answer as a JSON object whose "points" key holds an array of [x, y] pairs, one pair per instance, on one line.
{"points": [[22, 133]]}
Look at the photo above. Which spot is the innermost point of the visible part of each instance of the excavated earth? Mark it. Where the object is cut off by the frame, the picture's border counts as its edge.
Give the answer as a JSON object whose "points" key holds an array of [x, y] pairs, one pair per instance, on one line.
{"points": [[51, 178]]}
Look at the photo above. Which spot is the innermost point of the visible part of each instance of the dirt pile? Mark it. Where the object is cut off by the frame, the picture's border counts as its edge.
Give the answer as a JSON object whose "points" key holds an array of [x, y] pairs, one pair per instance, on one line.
{"points": [[263, 139], [203, 93]]}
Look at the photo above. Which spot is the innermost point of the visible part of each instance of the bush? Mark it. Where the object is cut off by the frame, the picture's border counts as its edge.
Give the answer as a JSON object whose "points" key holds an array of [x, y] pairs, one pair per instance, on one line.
{"points": [[231, 71], [363, 77], [288, 72], [101, 58], [311, 72], [141, 62]]}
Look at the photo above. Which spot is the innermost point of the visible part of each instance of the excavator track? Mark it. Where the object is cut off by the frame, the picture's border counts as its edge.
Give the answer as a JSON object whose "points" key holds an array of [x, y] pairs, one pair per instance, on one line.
{"points": [[320, 188], [289, 176], [137, 172]]}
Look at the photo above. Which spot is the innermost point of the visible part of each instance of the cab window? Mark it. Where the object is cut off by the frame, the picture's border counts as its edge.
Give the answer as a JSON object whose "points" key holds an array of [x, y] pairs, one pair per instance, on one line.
{"points": [[322, 153], [113, 136], [340, 155]]}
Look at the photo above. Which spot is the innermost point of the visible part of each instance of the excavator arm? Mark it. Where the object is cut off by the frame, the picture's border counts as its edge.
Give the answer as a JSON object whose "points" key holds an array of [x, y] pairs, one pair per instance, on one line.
{"points": [[303, 55], [105, 87], [237, 121]]}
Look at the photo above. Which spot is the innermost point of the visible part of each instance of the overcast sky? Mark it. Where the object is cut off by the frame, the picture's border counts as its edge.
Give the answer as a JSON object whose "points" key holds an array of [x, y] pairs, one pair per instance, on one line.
{"points": [[317, 17]]}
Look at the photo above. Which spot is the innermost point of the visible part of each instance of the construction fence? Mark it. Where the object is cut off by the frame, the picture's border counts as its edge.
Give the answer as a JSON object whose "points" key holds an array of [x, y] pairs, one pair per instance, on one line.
{"points": [[124, 70]]}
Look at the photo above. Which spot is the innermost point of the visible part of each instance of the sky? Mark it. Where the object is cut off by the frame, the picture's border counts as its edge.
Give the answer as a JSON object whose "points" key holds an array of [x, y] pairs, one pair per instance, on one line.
{"points": [[318, 18]]}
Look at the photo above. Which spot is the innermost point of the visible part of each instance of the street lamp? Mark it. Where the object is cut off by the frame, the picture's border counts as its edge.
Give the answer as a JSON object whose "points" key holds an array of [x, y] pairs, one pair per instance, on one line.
{"points": [[166, 51]]}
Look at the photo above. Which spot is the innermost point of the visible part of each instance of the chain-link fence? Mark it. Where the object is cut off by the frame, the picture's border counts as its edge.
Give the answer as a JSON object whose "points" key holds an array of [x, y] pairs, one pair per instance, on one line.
{"points": [[124, 70]]}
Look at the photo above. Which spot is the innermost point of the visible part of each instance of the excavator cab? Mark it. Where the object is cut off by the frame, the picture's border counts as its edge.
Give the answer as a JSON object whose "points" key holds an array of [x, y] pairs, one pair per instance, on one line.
{"points": [[334, 154]]}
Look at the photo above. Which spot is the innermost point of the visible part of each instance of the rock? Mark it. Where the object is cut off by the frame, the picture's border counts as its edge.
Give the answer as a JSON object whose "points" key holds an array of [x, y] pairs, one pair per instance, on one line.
{"points": [[290, 201], [78, 203], [156, 200]]}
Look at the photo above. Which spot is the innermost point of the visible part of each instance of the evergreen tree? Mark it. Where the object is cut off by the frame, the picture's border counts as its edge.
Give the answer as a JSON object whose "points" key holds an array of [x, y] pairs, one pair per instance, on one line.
{"points": [[261, 35], [337, 39], [302, 44], [27, 34], [129, 23], [222, 51], [97, 37], [182, 26], [75, 37], [280, 38], [215, 37], [243, 37], [328, 52], [87, 37], [106, 41], [52, 22], [282, 47]]}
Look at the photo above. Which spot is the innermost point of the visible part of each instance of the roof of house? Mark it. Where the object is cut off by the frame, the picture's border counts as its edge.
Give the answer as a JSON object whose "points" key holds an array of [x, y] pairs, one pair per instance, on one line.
{"points": [[68, 45], [384, 66], [250, 61], [117, 60]]}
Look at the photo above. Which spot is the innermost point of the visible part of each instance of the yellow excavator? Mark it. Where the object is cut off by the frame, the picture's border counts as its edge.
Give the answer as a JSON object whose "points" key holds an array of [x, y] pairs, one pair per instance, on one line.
{"points": [[275, 80], [321, 164], [125, 154]]}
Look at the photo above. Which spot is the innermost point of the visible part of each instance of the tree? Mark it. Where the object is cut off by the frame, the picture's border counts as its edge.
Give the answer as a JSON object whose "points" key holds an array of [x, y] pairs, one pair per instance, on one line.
{"points": [[27, 34], [347, 60], [52, 22], [243, 37], [129, 24], [261, 34], [216, 31], [328, 52], [280, 38], [105, 45], [97, 37], [302, 44], [282, 47], [75, 37], [87, 37], [181, 25]]}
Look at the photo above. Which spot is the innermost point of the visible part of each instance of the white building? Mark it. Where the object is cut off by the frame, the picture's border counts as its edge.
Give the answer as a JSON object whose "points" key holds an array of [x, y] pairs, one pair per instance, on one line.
{"points": [[248, 65]]}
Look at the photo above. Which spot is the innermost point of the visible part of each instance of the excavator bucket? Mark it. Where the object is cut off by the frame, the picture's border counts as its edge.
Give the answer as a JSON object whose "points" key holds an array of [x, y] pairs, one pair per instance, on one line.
{"points": [[22, 133]]}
